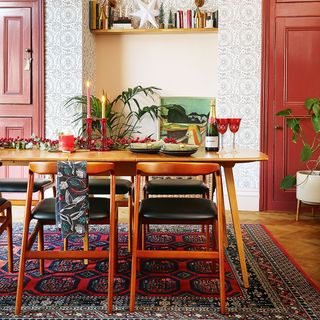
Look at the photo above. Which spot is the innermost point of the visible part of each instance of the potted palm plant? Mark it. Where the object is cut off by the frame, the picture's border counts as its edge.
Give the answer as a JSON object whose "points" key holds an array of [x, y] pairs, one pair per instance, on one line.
{"points": [[123, 113], [307, 181]]}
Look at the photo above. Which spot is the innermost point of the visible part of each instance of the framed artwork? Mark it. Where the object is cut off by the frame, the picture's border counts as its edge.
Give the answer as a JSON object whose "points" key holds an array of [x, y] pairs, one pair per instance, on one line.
{"points": [[186, 119]]}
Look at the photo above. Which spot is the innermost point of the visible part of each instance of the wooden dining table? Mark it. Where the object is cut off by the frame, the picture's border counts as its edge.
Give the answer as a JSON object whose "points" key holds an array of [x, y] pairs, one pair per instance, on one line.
{"points": [[125, 162]]}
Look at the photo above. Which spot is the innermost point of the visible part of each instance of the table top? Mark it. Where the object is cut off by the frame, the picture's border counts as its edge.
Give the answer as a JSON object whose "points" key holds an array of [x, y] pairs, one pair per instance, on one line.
{"points": [[16, 157]]}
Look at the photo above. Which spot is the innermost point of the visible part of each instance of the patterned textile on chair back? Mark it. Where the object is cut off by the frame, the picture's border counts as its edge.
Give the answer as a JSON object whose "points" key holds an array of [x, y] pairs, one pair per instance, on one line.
{"points": [[72, 202]]}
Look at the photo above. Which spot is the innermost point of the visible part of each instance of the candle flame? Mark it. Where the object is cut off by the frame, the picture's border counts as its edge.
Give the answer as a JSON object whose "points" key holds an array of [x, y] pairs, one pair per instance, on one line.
{"points": [[88, 84]]}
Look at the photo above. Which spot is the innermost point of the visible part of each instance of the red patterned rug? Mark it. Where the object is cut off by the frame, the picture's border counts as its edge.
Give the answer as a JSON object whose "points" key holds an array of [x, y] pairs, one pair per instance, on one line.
{"points": [[170, 289]]}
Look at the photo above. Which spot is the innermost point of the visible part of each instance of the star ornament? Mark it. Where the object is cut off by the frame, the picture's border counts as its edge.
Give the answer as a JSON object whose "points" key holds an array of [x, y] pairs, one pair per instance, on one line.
{"points": [[146, 12]]}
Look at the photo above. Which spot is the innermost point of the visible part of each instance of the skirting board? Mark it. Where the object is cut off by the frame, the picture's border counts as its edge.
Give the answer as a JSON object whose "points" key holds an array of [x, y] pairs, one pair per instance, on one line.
{"points": [[248, 200]]}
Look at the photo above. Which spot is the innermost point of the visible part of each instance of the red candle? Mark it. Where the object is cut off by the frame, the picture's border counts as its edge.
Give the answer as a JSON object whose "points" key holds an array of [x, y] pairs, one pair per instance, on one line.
{"points": [[88, 100], [66, 142]]}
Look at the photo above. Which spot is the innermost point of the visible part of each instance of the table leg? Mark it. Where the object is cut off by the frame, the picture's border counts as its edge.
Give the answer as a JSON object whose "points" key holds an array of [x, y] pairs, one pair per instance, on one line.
{"points": [[236, 223]]}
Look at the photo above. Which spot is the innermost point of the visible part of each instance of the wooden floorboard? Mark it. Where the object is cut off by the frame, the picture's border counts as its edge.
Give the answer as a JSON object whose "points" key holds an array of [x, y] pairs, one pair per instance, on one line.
{"points": [[300, 239]]}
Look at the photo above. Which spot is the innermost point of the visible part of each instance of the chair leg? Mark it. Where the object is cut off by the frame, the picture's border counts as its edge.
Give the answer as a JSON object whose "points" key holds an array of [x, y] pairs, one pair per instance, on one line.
{"points": [[144, 231], [41, 248], [140, 245], [86, 246], [134, 264], [22, 267], [298, 209], [65, 244], [130, 209], [221, 268], [9, 235], [115, 260]]}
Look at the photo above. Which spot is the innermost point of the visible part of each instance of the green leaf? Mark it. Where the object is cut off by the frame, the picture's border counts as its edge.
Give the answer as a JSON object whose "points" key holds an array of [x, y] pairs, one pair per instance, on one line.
{"points": [[306, 153], [316, 123], [309, 103], [294, 124], [316, 110], [294, 137], [288, 182], [284, 113]]}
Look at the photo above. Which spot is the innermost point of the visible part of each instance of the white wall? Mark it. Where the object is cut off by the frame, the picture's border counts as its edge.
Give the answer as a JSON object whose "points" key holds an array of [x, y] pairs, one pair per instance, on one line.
{"points": [[179, 64]]}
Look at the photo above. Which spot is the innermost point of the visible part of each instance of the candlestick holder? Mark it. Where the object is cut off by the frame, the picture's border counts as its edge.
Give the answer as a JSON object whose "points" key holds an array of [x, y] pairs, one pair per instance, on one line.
{"points": [[103, 123], [89, 133]]}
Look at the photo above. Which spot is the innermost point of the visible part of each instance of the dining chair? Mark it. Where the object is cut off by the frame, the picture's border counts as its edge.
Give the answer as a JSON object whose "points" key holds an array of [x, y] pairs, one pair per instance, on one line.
{"points": [[124, 187], [173, 186], [19, 185], [6, 224], [184, 211], [101, 211]]}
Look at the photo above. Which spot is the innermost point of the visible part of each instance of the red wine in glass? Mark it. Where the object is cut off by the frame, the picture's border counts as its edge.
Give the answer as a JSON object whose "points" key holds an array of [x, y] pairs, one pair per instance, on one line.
{"points": [[222, 125], [234, 124]]}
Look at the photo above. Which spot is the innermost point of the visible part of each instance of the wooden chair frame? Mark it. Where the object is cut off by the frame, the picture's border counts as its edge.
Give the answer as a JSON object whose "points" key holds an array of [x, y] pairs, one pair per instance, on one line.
{"points": [[6, 223], [93, 168], [205, 228], [126, 203], [177, 169]]}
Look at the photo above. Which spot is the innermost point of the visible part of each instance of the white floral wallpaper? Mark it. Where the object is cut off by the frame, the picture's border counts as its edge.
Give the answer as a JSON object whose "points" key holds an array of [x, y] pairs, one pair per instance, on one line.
{"points": [[239, 78], [70, 60]]}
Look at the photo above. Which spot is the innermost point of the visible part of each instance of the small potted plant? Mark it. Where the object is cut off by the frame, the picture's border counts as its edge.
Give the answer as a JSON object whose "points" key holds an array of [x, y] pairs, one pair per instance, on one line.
{"points": [[306, 181]]}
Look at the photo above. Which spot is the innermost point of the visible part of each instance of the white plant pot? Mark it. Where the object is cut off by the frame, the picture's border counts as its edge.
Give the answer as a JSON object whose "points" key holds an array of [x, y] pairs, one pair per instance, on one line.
{"points": [[308, 187]]}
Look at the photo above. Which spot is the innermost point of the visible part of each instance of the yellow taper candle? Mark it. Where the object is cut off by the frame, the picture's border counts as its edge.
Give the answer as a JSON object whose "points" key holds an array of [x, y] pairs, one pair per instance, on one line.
{"points": [[103, 107]]}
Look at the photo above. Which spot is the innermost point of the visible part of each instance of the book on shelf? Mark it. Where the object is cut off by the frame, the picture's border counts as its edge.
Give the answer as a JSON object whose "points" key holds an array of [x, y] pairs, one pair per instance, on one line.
{"points": [[122, 26], [93, 14], [195, 19]]}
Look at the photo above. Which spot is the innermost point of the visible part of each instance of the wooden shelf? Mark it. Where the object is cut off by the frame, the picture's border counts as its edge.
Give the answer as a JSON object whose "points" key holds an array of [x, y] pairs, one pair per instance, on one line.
{"points": [[141, 31]]}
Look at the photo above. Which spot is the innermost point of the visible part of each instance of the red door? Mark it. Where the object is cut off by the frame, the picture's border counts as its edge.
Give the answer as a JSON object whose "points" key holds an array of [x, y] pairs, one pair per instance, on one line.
{"points": [[21, 71], [293, 72]]}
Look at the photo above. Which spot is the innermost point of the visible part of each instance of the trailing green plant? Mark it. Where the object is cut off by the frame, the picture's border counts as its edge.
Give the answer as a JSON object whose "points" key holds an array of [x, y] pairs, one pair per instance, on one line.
{"points": [[123, 113], [311, 150]]}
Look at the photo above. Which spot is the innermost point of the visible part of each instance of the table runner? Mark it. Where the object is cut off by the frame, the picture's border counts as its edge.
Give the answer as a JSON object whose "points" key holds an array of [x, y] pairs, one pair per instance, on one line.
{"points": [[72, 202]]}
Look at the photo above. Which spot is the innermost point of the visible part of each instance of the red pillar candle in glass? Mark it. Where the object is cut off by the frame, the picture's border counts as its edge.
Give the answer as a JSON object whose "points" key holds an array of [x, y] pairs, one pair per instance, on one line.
{"points": [[88, 100], [66, 142]]}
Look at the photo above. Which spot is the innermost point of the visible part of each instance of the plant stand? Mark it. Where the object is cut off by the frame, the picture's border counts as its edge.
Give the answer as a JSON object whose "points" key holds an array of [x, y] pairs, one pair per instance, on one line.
{"points": [[300, 204]]}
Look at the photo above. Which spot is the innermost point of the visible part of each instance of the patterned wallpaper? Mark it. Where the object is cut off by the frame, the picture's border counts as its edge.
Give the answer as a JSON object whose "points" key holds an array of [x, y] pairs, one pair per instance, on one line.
{"points": [[239, 78], [68, 63], [70, 60]]}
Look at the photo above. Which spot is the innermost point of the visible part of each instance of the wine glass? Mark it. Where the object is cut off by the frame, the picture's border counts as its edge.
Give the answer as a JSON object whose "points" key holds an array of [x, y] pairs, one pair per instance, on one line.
{"points": [[222, 125], [234, 124]]}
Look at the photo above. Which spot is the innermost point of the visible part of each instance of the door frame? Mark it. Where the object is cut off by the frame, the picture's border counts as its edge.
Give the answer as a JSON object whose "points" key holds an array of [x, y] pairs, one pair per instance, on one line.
{"points": [[265, 60], [271, 9], [38, 10]]}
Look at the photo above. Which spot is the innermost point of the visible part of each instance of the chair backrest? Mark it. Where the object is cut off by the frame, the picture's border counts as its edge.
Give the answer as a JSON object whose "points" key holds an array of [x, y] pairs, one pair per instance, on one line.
{"points": [[93, 168], [176, 168]]}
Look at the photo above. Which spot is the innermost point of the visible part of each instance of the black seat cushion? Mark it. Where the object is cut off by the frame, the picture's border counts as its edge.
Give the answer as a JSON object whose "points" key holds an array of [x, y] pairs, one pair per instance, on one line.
{"points": [[176, 186], [2, 201], [20, 185], [102, 186], [99, 208], [195, 209]]}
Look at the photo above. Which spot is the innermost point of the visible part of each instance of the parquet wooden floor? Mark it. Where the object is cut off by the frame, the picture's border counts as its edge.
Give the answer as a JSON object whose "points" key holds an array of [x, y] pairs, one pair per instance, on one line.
{"points": [[300, 239]]}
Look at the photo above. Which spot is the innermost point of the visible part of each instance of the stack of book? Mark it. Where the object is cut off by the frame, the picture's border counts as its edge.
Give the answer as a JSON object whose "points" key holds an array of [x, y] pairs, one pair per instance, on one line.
{"points": [[122, 23], [196, 19]]}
